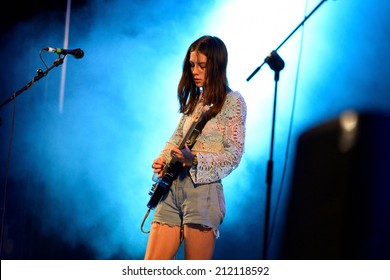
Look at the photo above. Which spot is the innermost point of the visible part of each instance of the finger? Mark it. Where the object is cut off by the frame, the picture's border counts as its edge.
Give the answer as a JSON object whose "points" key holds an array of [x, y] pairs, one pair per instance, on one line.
{"points": [[175, 153]]}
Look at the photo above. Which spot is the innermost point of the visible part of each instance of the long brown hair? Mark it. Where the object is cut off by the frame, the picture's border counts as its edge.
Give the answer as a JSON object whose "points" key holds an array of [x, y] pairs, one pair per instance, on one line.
{"points": [[216, 83]]}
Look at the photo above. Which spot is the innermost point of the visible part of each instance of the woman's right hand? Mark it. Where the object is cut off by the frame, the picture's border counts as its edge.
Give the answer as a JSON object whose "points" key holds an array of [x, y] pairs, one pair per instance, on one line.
{"points": [[158, 166]]}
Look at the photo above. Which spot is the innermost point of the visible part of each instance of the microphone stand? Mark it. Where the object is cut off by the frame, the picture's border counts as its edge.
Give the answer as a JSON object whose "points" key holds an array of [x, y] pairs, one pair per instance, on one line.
{"points": [[40, 74], [276, 63]]}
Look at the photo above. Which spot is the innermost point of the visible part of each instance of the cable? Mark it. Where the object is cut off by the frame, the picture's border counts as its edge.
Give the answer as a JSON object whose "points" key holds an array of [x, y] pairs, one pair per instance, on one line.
{"points": [[6, 179]]}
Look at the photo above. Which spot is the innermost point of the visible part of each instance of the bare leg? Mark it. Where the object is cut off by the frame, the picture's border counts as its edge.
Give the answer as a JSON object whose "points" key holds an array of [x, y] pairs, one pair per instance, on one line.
{"points": [[198, 242], [163, 242]]}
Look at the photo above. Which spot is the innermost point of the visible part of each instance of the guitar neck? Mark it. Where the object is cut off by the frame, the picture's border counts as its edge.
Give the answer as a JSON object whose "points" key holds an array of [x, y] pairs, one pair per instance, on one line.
{"points": [[188, 135]]}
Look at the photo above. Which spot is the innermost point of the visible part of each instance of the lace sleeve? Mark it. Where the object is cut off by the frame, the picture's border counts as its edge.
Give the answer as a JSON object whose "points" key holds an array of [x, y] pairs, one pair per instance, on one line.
{"points": [[221, 144], [174, 140]]}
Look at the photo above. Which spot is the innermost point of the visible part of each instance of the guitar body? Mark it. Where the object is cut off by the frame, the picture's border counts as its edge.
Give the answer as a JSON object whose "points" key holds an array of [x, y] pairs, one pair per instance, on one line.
{"points": [[161, 188]]}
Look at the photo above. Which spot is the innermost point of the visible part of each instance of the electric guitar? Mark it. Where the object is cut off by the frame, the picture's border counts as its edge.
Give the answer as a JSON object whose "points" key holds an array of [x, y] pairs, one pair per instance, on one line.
{"points": [[171, 170]]}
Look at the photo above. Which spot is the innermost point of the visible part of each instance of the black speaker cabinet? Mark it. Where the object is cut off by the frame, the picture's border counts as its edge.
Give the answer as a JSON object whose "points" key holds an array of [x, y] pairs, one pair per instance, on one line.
{"points": [[339, 205]]}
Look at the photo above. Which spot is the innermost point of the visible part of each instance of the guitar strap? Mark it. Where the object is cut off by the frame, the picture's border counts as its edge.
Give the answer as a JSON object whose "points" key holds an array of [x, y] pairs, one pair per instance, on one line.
{"points": [[194, 135]]}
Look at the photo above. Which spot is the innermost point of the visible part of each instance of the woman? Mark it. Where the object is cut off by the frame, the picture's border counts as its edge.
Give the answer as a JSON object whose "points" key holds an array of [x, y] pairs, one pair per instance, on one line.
{"points": [[195, 207]]}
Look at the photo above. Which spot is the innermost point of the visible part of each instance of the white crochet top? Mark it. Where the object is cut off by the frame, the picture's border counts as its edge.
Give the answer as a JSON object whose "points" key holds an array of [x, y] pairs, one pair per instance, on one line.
{"points": [[220, 146]]}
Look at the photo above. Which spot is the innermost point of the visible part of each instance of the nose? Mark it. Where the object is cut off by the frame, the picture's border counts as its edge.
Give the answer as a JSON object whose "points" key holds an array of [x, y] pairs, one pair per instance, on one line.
{"points": [[195, 70]]}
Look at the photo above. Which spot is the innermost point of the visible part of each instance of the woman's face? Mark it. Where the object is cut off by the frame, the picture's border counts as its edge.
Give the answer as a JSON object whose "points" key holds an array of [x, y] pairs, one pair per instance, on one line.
{"points": [[198, 63]]}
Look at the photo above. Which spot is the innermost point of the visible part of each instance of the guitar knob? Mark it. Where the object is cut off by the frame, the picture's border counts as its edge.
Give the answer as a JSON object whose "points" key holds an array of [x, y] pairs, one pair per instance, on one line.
{"points": [[151, 192]]}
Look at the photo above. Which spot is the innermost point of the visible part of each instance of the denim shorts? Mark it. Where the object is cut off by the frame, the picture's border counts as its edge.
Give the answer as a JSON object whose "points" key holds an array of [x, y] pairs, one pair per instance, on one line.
{"points": [[189, 203]]}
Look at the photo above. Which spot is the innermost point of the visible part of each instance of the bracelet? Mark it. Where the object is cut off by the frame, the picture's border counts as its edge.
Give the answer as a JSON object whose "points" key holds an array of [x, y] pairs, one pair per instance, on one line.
{"points": [[195, 160]]}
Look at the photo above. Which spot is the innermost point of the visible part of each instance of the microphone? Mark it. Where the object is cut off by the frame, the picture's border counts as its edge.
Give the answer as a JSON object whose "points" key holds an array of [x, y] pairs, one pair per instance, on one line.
{"points": [[77, 53]]}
